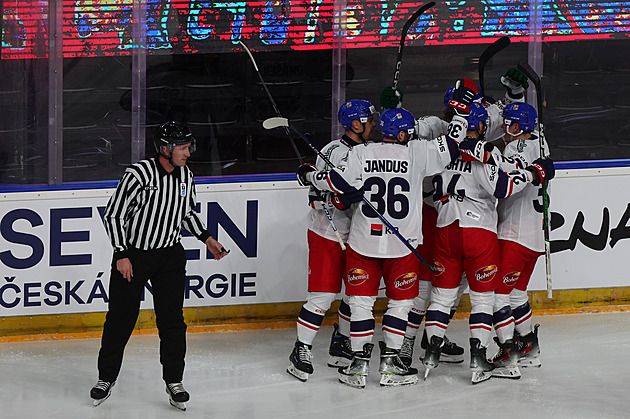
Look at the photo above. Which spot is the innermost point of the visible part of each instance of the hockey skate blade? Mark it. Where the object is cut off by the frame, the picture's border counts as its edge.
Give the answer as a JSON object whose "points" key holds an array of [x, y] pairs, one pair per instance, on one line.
{"points": [[529, 363], [178, 405], [507, 372], [448, 359], [338, 362], [275, 122], [300, 375], [99, 401], [394, 380], [353, 380], [480, 376]]}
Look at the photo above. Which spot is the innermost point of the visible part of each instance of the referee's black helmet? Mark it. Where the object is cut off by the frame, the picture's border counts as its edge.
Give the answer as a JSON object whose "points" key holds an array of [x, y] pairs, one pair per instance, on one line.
{"points": [[173, 133]]}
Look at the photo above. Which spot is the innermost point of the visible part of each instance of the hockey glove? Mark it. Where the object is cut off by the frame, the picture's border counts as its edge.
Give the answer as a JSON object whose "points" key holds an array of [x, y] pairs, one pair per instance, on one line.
{"points": [[463, 96], [542, 170], [391, 98], [305, 173], [473, 149], [345, 200], [515, 82]]}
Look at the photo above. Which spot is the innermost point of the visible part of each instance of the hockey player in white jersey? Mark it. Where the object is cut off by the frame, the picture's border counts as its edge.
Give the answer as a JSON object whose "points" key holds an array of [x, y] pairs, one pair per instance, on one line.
{"points": [[326, 258], [429, 127], [466, 194], [521, 243], [390, 173]]}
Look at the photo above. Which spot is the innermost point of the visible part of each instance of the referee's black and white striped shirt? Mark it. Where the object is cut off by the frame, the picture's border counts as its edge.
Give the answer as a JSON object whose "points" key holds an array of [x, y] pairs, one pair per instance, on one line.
{"points": [[150, 206]]}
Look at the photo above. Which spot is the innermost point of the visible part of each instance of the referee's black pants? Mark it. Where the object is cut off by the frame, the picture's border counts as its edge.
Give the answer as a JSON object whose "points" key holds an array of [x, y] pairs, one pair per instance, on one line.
{"points": [[166, 268]]}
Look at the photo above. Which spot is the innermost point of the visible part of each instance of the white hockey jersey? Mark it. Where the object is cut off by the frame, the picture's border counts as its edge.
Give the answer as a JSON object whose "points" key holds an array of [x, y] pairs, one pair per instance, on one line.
{"points": [[336, 151], [391, 175], [468, 192], [520, 215]]}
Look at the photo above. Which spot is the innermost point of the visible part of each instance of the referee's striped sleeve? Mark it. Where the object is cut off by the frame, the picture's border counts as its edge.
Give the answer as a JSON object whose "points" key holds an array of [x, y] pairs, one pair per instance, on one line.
{"points": [[192, 222], [117, 211]]}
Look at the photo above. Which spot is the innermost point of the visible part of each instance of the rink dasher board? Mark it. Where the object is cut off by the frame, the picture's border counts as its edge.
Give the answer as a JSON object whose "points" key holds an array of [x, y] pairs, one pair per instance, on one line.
{"points": [[55, 255]]}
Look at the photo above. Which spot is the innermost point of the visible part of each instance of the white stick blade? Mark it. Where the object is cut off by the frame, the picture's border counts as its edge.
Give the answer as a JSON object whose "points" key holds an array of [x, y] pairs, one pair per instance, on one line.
{"points": [[275, 122]]}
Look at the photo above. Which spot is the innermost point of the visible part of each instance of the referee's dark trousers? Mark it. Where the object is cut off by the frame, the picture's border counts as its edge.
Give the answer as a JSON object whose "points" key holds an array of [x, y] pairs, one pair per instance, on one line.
{"points": [[166, 268]]}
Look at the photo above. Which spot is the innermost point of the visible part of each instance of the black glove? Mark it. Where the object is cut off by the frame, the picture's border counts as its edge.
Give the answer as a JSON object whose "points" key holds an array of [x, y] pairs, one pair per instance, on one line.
{"points": [[391, 98], [463, 96], [473, 149], [304, 173], [345, 200], [542, 169], [515, 82]]}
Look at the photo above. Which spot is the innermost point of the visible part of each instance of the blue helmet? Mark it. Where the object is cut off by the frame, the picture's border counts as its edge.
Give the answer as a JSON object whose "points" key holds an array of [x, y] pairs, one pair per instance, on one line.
{"points": [[448, 95], [523, 113], [392, 121], [477, 114], [355, 109]]}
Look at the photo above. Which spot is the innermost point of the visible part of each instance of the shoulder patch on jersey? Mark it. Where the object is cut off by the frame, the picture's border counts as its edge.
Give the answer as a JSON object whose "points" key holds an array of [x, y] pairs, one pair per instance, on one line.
{"points": [[520, 146]]}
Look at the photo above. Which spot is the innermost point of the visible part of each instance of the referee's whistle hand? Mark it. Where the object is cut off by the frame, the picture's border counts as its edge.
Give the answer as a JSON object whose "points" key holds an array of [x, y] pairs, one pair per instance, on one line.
{"points": [[216, 248], [125, 268]]}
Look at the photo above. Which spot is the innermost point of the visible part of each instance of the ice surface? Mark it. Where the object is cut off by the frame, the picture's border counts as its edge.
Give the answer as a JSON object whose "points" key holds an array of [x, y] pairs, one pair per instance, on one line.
{"points": [[242, 375]]}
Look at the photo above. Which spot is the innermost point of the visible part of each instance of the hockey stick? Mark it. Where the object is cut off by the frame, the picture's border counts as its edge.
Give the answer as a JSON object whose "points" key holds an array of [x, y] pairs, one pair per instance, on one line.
{"points": [[531, 74], [488, 53], [403, 35], [288, 132], [272, 123]]}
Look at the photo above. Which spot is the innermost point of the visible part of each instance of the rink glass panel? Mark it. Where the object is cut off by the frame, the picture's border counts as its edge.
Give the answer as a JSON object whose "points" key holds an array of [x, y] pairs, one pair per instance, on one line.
{"points": [[196, 72]]}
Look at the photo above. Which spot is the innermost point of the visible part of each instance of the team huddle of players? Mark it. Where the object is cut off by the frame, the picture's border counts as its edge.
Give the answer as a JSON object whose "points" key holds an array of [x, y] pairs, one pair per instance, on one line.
{"points": [[441, 204]]}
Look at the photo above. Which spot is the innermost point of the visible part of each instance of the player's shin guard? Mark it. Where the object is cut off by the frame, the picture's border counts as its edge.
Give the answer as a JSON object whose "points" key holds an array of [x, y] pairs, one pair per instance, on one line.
{"points": [[480, 320], [312, 314], [355, 375], [393, 371], [503, 322], [395, 322], [362, 324]]}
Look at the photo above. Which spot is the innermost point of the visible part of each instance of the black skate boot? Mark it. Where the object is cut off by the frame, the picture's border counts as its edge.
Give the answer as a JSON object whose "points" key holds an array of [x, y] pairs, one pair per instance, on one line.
{"points": [[340, 350], [452, 353], [393, 371], [177, 396], [355, 374], [101, 391], [506, 360], [528, 348], [406, 350], [432, 354], [301, 365], [479, 365]]}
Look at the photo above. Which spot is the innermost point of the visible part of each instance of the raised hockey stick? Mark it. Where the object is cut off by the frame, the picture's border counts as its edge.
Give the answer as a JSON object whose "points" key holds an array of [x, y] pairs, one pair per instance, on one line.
{"points": [[487, 55], [403, 36], [288, 132], [272, 123], [535, 79]]}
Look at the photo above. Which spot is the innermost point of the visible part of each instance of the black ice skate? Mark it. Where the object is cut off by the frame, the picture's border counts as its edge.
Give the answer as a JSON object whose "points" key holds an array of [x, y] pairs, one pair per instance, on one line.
{"points": [[479, 365], [355, 374], [528, 348], [177, 396], [340, 350], [432, 354], [300, 361], [406, 350], [393, 371], [452, 353], [506, 360], [101, 391]]}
